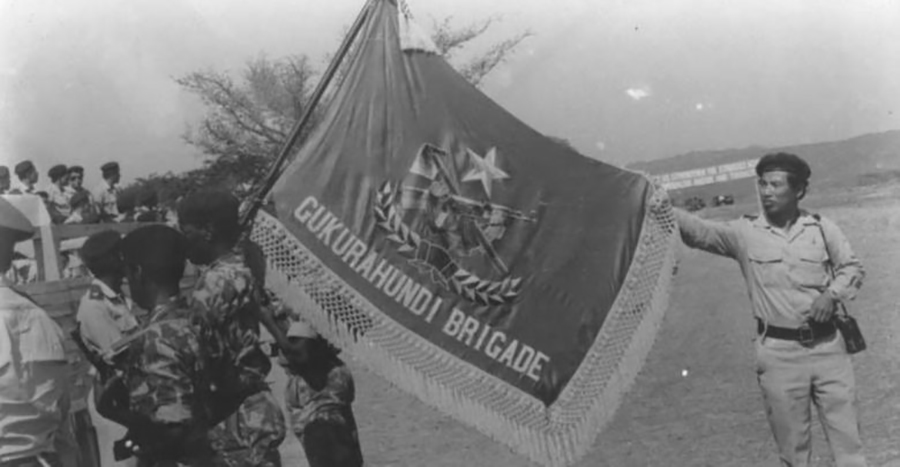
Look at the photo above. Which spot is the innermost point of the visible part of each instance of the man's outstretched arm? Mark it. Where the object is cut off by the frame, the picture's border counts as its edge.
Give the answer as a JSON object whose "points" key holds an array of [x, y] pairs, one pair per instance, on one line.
{"points": [[719, 238]]}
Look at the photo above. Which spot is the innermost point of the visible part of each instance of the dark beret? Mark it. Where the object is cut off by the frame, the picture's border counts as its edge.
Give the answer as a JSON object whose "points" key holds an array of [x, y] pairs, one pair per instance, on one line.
{"points": [[109, 167], [216, 207], [57, 171], [4, 171], [23, 168], [13, 221], [79, 198], [76, 169], [101, 244], [159, 250], [786, 162]]}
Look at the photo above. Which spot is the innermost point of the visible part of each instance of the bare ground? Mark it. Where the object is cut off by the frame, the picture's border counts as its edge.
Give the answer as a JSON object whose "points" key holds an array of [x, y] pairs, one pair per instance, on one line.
{"points": [[712, 417]]}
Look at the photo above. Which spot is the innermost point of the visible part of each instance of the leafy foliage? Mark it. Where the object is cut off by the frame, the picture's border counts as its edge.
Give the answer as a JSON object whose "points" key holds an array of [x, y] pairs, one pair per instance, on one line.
{"points": [[249, 119]]}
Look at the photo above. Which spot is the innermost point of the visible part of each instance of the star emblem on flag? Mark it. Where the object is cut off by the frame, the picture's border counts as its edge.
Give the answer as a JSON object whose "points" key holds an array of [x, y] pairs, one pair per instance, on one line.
{"points": [[485, 169]]}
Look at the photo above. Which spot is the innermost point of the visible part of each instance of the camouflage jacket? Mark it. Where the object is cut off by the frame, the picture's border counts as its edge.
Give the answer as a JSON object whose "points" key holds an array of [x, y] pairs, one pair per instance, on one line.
{"points": [[164, 369], [226, 301]]}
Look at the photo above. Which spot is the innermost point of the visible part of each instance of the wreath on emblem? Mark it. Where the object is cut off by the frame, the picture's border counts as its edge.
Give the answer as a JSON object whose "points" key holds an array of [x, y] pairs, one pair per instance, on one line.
{"points": [[417, 249]]}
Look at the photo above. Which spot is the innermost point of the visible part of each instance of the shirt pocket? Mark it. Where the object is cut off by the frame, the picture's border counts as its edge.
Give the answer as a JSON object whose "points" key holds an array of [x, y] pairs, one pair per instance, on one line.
{"points": [[767, 262], [808, 267]]}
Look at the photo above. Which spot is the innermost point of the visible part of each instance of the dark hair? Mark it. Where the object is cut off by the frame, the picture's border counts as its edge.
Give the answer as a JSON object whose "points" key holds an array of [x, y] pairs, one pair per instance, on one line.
{"points": [[798, 171], [215, 208], [159, 250]]}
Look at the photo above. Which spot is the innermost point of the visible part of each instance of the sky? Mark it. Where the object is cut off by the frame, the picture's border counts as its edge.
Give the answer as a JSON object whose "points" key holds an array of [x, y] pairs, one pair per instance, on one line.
{"points": [[88, 81]]}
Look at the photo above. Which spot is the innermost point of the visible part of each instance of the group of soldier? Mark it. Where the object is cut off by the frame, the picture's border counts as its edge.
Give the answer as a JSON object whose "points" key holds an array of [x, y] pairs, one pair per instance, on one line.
{"points": [[67, 200], [179, 378]]}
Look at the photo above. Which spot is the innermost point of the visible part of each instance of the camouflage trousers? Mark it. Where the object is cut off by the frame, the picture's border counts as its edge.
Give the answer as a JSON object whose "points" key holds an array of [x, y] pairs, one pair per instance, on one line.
{"points": [[251, 436], [322, 419]]}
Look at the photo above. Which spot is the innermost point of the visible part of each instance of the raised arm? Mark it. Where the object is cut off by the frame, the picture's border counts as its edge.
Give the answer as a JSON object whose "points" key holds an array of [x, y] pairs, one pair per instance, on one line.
{"points": [[720, 238]]}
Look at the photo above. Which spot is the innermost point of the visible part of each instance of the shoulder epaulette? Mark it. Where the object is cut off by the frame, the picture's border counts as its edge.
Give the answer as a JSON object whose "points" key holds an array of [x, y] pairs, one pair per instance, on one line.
{"points": [[94, 292]]}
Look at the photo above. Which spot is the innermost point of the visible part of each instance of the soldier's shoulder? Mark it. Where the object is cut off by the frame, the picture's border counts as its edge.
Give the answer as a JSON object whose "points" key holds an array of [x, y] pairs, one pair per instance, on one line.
{"points": [[94, 292]]}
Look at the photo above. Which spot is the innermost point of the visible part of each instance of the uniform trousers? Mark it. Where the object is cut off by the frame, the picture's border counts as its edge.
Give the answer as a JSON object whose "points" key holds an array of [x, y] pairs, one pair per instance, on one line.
{"points": [[793, 378]]}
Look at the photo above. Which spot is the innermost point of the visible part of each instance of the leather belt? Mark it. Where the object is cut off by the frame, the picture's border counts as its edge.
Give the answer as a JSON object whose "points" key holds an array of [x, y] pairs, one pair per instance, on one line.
{"points": [[807, 335]]}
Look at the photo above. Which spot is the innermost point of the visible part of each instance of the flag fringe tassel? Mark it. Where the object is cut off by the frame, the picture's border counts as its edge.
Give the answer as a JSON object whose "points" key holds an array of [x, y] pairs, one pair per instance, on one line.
{"points": [[553, 436]]}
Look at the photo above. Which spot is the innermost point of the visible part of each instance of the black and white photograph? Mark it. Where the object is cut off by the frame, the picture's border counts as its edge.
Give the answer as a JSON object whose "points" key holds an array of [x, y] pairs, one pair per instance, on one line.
{"points": [[404, 233]]}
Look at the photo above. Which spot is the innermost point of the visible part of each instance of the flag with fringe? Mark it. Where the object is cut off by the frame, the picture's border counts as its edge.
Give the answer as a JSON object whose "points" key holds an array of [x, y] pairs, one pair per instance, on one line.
{"points": [[491, 271]]}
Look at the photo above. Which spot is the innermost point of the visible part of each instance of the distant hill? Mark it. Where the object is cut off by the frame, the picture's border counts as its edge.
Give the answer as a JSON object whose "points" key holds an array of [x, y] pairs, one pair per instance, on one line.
{"points": [[860, 160]]}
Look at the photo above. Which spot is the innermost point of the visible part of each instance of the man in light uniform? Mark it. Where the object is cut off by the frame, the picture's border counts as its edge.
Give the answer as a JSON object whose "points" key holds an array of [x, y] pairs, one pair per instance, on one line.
{"points": [[104, 317], [34, 372], [28, 178], [107, 193], [57, 196], [787, 257]]}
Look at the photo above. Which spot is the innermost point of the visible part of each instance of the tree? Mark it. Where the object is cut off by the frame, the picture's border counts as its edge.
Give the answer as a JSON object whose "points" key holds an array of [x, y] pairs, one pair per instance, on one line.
{"points": [[249, 118]]}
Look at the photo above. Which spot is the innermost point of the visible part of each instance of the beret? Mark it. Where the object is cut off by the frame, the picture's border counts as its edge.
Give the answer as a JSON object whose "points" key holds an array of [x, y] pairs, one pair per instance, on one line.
{"points": [[57, 171], [216, 207], [109, 167], [100, 244], [156, 245], [76, 168], [784, 161], [12, 220], [24, 167], [4, 171]]}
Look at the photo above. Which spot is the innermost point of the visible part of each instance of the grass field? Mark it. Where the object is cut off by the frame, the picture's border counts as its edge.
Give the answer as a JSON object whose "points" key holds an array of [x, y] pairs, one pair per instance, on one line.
{"points": [[712, 417]]}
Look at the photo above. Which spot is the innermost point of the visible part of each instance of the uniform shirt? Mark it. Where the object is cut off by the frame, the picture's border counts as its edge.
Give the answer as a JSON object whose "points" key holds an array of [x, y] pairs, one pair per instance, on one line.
{"points": [[33, 379], [20, 188], [104, 317], [59, 199], [784, 272], [106, 197], [225, 298], [163, 368]]}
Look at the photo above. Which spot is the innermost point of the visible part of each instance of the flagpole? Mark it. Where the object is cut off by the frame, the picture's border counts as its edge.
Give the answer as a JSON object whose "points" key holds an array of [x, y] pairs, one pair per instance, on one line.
{"points": [[269, 181]]}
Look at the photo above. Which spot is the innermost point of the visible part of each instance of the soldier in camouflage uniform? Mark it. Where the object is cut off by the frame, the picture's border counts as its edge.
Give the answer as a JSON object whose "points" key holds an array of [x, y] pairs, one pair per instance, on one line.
{"points": [[163, 367], [226, 300], [319, 393]]}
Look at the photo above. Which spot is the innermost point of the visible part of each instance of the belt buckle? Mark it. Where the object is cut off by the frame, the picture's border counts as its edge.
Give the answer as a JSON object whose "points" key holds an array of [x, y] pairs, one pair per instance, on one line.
{"points": [[806, 336]]}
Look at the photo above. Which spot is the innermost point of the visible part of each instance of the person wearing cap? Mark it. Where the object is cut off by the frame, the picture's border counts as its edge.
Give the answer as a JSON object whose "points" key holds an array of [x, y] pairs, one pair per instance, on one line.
{"points": [[106, 194], [4, 180], [104, 313], [34, 371], [226, 300], [104, 316], [28, 177], [57, 196], [797, 267], [320, 390]]}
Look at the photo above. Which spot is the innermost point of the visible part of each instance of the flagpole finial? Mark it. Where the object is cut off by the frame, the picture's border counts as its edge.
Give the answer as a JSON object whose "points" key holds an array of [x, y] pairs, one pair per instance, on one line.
{"points": [[412, 36]]}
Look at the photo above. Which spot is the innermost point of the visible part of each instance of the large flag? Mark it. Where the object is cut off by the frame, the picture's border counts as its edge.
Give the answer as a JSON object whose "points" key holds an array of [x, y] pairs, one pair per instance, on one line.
{"points": [[491, 271]]}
